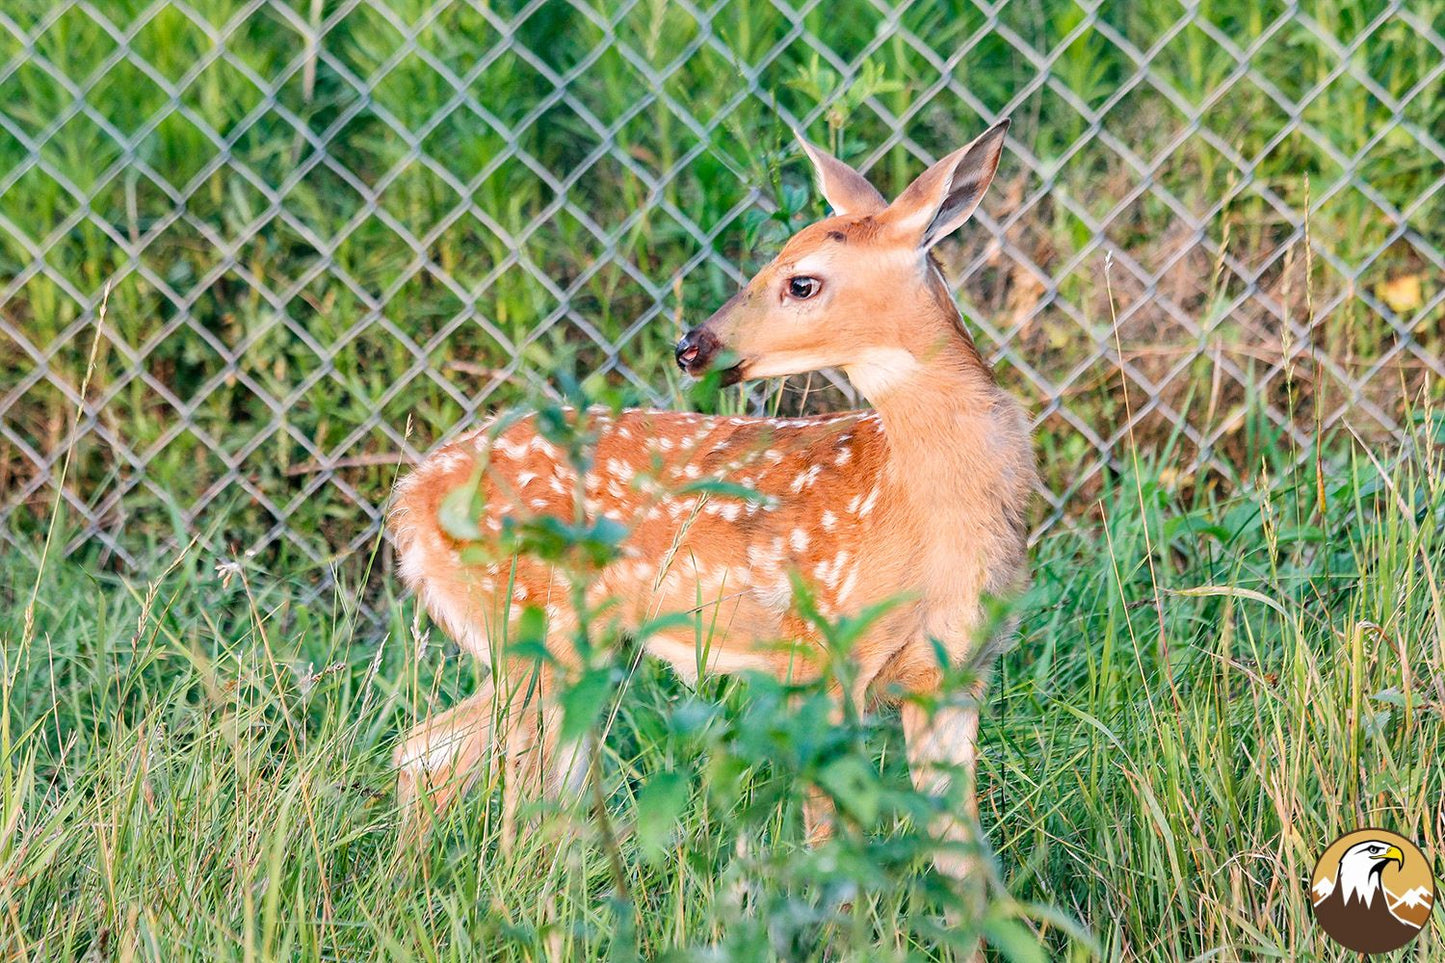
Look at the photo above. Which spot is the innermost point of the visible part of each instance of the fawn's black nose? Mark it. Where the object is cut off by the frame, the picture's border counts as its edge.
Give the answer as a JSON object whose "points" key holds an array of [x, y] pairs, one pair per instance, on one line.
{"points": [[686, 352], [695, 350]]}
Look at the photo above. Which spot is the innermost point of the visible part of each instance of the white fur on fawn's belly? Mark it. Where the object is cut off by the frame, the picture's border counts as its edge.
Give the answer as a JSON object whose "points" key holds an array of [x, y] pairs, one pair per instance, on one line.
{"points": [[461, 621], [684, 653]]}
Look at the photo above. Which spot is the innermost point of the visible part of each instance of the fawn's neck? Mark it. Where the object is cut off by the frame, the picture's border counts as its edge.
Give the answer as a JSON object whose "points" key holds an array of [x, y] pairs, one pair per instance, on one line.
{"points": [[953, 460], [936, 396], [939, 424]]}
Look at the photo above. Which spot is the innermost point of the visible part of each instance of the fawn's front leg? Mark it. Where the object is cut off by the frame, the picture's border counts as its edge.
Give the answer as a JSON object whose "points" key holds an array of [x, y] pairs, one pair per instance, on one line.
{"points": [[942, 750]]}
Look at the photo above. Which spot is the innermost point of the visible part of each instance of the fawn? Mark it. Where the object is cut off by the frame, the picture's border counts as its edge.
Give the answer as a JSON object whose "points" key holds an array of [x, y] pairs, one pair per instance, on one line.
{"points": [[922, 498]]}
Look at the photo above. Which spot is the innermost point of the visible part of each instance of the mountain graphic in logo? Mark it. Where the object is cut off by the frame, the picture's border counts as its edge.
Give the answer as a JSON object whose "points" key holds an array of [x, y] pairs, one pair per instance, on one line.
{"points": [[1372, 891]]}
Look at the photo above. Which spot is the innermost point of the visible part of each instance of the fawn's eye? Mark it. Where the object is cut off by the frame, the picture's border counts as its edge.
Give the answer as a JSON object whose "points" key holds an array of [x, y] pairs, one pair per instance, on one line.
{"points": [[802, 288]]}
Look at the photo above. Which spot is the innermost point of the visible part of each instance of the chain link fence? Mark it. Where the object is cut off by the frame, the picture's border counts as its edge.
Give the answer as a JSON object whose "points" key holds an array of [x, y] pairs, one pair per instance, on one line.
{"points": [[334, 231]]}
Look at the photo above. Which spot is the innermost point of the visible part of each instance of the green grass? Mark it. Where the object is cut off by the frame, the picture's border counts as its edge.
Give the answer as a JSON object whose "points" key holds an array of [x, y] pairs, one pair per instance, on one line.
{"points": [[327, 336], [1205, 692]]}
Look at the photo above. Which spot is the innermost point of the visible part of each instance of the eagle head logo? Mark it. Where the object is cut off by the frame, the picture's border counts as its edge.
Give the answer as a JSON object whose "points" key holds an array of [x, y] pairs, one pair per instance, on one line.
{"points": [[1372, 891]]}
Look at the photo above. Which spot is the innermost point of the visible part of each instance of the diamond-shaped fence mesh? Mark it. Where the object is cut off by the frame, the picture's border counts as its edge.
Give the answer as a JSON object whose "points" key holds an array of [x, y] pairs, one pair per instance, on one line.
{"points": [[336, 230]]}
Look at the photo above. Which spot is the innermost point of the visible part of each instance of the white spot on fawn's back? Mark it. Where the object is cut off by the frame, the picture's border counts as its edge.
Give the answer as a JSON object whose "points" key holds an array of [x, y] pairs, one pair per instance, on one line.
{"points": [[513, 450], [868, 503], [805, 479], [775, 595], [761, 558]]}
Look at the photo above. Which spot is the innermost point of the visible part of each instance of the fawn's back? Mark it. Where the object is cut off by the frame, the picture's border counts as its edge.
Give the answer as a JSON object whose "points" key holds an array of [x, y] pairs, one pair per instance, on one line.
{"points": [[719, 514]]}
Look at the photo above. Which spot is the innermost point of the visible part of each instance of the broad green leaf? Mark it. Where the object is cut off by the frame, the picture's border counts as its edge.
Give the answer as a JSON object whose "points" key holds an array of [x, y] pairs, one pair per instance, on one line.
{"points": [[853, 784], [528, 640], [1014, 941], [659, 806], [583, 700], [461, 508]]}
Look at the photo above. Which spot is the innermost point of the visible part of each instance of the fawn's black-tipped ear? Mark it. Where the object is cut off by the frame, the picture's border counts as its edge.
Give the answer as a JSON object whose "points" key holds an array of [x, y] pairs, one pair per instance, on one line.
{"points": [[944, 196], [846, 190]]}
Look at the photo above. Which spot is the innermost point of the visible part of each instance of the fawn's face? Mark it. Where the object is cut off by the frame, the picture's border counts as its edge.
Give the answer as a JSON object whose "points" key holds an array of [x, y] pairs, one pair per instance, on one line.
{"points": [[848, 291], [821, 303]]}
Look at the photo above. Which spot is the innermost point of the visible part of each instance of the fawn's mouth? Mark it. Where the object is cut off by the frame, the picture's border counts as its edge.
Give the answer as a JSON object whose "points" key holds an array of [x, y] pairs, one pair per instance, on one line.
{"points": [[699, 351], [699, 354], [731, 376]]}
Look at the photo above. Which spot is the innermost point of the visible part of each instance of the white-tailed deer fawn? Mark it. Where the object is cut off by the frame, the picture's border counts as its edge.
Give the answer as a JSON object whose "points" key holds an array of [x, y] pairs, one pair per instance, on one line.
{"points": [[921, 499]]}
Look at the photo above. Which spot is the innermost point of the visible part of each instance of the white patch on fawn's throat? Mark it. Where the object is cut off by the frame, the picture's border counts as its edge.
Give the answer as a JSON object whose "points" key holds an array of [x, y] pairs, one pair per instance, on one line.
{"points": [[877, 371]]}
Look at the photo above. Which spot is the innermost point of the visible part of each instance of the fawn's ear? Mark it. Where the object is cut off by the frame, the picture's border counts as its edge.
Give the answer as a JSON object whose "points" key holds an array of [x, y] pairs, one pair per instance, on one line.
{"points": [[942, 198], [846, 190]]}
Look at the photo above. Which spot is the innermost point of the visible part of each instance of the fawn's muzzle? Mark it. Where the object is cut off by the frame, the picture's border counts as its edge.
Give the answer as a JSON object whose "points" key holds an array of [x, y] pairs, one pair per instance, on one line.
{"points": [[696, 351]]}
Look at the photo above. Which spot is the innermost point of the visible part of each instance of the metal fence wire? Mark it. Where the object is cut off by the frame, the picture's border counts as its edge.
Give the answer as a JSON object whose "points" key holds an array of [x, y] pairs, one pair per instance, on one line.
{"points": [[335, 231]]}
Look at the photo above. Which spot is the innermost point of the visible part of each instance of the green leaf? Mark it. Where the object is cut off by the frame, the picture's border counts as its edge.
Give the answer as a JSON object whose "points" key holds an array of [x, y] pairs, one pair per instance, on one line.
{"points": [[1194, 523], [462, 507], [1013, 940], [529, 639], [554, 539], [659, 806], [1391, 696], [853, 785], [723, 489], [583, 701], [608, 533]]}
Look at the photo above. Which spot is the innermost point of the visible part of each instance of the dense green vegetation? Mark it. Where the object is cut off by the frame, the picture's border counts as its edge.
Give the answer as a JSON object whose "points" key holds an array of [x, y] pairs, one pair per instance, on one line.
{"points": [[548, 174], [1205, 692]]}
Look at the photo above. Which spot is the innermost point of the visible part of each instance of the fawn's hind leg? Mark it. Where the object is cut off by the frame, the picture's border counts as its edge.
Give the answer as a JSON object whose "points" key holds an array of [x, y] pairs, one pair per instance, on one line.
{"points": [[819, 812], [539, 763], [942, 751], [440, 757], [513, 715]]}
